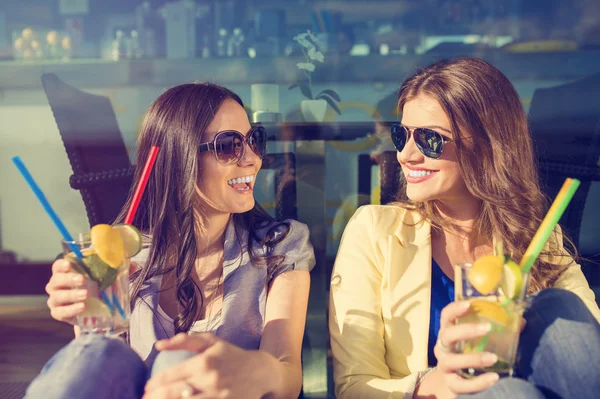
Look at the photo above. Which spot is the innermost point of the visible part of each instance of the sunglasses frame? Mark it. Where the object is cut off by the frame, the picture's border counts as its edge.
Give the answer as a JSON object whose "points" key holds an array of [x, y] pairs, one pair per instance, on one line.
{"points": [[210, 145], [410, 134]]}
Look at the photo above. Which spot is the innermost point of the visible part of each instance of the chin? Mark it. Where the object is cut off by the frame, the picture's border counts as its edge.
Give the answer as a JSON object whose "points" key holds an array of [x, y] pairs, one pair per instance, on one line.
{"points": [[417, 195], [245, 207]]}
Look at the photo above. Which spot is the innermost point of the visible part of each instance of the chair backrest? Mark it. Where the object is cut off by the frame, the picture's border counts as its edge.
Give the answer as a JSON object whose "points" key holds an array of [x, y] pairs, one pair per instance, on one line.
{"points": [[284, 165], [389, 177], [93, 142], [565, 126]]}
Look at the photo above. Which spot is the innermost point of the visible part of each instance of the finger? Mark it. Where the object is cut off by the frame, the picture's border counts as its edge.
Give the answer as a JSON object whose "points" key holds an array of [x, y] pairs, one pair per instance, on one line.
{"points": [[197, 342], [61, 266], [452, 311], [460, 332], [65, 280], [67, 313], [67, 297], [460, 385], [171, 391], [454, 361]]}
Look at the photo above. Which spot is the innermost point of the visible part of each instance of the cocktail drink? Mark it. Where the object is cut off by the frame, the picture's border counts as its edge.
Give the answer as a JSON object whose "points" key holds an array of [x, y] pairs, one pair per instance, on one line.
{"points": [[496, 288], [105, 251]]}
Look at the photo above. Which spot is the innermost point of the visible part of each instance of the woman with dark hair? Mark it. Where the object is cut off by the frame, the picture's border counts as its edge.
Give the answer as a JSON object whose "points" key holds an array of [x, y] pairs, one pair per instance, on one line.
{"points": [[469, 178], [220, 290]]}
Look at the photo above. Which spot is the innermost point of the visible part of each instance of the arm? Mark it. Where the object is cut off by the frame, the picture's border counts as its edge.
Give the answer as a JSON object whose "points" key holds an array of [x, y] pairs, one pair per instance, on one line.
{"points": [[355, 321], [287, 302]]}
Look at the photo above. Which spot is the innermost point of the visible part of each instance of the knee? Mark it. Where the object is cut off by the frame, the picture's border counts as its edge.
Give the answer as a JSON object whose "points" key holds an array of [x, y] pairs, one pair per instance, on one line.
{"points": [[558, 296], [168, 359], [560, 303], [516, 388]]}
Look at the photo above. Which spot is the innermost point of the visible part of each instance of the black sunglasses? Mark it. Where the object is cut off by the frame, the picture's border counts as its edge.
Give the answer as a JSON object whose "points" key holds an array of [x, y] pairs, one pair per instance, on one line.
{"points": [[229, 146], [428, 141]]}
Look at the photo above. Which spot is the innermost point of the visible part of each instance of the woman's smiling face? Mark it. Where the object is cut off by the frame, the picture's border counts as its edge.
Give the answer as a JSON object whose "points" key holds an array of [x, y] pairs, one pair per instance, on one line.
{"points": [[430, 179], [218, 184]]}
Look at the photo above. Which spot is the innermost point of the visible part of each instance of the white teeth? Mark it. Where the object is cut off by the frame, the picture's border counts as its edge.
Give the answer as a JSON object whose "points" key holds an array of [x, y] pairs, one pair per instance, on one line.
{"points": [[419, 173], [239, 180]]}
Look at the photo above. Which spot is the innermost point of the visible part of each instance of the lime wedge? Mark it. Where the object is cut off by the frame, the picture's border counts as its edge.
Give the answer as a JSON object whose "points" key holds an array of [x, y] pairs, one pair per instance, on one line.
{"points": [[108, 244], [512, 280], [486, 273], [132, 239]]}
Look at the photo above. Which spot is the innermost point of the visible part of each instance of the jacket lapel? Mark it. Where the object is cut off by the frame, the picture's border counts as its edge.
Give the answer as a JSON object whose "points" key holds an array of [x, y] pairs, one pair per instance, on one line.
{"points": [[410, 255]]}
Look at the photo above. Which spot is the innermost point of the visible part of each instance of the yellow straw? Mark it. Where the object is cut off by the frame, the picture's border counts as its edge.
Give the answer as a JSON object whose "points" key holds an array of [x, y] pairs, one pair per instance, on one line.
{"points": [[556, 210]]}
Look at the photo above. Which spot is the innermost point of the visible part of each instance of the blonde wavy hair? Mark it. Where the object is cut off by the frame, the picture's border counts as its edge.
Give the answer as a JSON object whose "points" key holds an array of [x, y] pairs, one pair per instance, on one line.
{"points": [[495, 158]]}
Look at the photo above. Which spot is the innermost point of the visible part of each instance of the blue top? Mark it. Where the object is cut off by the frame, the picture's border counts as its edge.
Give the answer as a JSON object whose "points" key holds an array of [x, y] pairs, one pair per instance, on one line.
{"points": [[442, 293], [245, 287]]}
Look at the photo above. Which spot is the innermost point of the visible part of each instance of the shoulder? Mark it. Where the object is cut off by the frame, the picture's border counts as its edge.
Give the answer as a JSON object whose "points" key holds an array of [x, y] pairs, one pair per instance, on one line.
{"points": [[383, 220], [291, 239]]}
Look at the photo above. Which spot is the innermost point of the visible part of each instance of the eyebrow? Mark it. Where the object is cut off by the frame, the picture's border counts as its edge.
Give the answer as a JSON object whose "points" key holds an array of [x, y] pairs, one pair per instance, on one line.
{"points": [[429, 127]]}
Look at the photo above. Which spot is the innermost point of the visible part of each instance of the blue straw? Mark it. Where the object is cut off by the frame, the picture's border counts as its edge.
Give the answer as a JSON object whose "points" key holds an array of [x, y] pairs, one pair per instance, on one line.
{"points": [[40, 195], [59, 224]]}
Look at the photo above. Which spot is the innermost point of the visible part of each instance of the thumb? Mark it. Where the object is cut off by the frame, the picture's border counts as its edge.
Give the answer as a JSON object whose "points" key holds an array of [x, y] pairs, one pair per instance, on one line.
{"points": [[197, 343]]}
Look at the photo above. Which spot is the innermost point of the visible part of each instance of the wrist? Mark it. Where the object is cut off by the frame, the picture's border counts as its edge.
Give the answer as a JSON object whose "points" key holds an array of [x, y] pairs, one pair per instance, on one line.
{"points": [[432, 385], [269, 371]]}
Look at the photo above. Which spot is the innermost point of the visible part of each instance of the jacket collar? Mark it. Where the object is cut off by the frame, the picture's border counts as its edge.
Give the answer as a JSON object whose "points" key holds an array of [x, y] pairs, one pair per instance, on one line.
{"points": [[419, 235]]}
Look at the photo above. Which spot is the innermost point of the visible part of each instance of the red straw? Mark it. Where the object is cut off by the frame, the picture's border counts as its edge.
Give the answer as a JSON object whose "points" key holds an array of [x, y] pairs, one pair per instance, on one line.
{"points": [[139, 190]]}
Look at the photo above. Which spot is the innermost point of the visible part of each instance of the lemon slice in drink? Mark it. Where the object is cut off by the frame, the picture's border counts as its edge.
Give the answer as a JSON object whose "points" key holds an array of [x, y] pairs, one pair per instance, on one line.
{"points": [[486, 273], [512, 280], [132, 239], [108, 245], [491, 311], [94, 307]]}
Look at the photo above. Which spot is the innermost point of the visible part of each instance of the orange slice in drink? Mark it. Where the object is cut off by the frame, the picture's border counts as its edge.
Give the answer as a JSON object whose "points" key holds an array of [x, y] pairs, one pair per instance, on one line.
{"points": [[491, 311], [108, 245], [486, 273]]}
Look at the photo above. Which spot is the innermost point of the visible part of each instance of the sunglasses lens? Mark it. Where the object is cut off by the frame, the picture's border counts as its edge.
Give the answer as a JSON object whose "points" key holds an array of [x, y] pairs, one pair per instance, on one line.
{"points": [[399, 135], [258, 141], [429, 142], [229, 147]]}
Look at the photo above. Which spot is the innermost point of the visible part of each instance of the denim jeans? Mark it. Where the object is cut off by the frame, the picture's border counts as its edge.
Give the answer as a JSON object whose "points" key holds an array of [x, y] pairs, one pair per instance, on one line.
{"points": [[558, 354], [95, 367]]}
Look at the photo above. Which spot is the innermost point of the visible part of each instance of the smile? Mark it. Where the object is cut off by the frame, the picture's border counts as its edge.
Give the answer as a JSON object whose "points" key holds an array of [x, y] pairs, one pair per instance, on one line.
{"points": [[241, 184]]}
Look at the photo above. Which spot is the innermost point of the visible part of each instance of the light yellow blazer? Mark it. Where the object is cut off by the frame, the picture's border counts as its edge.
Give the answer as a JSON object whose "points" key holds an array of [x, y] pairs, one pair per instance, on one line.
{"points": [[380, 303]]}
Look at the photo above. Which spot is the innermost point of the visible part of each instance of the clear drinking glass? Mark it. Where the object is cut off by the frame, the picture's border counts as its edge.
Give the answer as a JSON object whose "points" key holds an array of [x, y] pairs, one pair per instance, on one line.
{"points": [[107, 309], [502, 313]]}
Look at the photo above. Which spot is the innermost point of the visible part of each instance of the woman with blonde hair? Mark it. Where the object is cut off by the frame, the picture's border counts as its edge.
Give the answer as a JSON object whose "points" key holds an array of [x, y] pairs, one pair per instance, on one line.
{"points": [[469, 178]]}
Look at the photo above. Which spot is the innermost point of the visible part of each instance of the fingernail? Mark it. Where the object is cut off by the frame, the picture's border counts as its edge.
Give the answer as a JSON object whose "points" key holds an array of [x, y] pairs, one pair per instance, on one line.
{"points": [[484, 327], [81, 294], [494, 377], [465, 305], [489, 358], [80, 306]]}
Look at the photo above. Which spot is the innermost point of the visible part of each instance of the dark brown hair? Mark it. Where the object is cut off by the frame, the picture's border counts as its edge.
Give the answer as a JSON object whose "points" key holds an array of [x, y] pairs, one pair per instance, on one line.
{"points": [[495, 156], [175, 122]]}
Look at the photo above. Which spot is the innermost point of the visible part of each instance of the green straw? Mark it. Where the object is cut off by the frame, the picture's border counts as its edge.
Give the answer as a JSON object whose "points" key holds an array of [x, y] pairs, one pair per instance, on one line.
{"points": [[554, 214]]}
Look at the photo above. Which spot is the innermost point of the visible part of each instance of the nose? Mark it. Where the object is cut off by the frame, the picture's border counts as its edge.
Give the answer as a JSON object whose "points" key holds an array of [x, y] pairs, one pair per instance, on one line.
{"points": [[410, 153], [249, 158]]}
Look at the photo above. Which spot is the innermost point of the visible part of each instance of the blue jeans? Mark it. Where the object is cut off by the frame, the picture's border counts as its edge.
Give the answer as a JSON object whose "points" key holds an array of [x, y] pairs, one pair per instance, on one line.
{"points": [[558, 354], [95, 367]]}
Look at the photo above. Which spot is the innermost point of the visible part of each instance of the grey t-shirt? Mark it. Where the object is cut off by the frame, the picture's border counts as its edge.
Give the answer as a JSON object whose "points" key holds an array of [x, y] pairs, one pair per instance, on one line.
{"points": [[245, 285]]}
